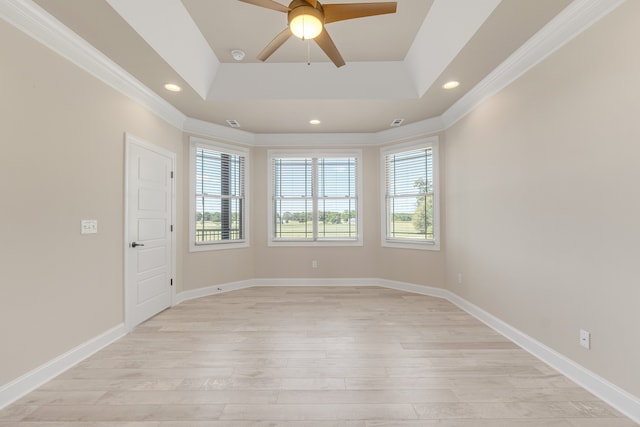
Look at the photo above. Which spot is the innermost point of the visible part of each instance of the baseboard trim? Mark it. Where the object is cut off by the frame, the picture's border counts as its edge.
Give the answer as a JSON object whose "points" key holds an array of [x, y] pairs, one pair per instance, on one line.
{"points": [[618, 398], [416, 289], [30, 381], [317, 282], [234, 286], [212, 290]]}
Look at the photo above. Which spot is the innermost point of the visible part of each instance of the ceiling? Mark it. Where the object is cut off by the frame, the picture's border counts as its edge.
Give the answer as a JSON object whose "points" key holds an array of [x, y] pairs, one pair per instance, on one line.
{"points": [[396, 64]]}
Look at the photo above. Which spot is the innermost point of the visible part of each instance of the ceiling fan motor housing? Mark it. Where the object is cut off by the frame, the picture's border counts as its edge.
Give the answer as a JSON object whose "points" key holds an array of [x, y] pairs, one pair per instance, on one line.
{"points": [[304, 3], [307, 19]]}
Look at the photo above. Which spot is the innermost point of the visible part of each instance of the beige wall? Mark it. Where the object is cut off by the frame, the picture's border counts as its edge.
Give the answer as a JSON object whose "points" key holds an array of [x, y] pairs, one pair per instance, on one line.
{"points": [[539, 184], [62, 157], [366, 261], [543, 202], [209, 268], [418, 266], [262, 261], [295, 262]]}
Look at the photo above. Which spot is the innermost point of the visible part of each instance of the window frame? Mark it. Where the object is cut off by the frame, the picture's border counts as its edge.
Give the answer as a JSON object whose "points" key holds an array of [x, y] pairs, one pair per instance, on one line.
{"points": [[301, 153], [406, 243], [194, 144]]}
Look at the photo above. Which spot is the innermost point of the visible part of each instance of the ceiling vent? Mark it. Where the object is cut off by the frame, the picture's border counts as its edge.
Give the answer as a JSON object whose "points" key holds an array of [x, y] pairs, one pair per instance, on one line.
{"points": [[233, 123], [396, 122]]}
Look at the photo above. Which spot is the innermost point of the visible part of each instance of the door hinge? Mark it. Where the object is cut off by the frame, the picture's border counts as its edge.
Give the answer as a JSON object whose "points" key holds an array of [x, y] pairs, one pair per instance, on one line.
{"points": [[171, 281], [172, 228], [172, 174]]}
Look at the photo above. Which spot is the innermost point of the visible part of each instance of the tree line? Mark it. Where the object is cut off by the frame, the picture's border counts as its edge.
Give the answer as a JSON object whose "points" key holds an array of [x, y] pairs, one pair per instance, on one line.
{"points": [[214, 216], [327, 217]]}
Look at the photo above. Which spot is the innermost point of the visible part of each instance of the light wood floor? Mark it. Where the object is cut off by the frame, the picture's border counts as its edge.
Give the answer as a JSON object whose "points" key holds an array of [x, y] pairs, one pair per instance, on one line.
{"points": [[307, 356]]}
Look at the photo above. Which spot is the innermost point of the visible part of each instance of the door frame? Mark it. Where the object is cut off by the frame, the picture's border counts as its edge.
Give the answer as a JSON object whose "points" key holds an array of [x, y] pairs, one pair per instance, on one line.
{"points": [[129, 141]]}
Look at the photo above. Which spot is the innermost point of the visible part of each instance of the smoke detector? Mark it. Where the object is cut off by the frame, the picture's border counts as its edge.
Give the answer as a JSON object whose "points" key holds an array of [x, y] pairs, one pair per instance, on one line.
{"points": [[237, 54]]}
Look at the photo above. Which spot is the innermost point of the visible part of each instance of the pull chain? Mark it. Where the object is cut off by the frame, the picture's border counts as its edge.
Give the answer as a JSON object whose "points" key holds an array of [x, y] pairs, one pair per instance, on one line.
{"points": [[308, 52]]}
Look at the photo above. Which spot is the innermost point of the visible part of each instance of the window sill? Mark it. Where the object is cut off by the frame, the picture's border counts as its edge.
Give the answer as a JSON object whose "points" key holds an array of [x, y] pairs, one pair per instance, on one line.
{"points": [[422, 246], [218, 246], [317, 243]]}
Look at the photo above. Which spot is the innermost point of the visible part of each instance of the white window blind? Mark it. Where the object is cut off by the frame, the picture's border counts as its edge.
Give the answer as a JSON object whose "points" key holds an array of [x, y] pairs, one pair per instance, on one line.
{"points": [[314, 199], [337, 199], [410, 195], [219, 196], [293, 198]]}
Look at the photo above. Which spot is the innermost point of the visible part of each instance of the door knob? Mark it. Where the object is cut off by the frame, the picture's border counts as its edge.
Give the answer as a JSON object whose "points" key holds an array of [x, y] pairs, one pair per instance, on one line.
{"points": [[134, 244]]}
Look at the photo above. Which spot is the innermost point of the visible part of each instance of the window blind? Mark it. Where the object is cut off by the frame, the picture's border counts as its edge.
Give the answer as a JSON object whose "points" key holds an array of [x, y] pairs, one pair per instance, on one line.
{"points": [[337, 199], [293, 198], [409, 194], [220, 196], [315, 198]]}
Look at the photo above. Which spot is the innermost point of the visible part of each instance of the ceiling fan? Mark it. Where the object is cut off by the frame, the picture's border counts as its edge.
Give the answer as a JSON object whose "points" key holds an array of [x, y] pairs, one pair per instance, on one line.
{"points": [[307, 19]]}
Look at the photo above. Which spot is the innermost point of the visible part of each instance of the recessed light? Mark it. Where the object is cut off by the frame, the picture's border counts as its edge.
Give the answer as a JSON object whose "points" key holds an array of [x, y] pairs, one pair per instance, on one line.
{"points": [[451, 85], [314, 121], [171, 87]]}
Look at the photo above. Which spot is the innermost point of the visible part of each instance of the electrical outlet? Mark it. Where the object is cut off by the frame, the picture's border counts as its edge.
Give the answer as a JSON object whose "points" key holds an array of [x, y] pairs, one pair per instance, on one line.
{"points": [[314, 264], [459, 278], [585, 339]]}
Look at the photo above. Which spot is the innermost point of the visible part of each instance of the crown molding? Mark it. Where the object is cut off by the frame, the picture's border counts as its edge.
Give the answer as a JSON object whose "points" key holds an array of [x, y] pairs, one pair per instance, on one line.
{"points": [[568, 24], [573, 20], [41, 26], [218, 132], [388, 136], [411, 131], [314, 139]]}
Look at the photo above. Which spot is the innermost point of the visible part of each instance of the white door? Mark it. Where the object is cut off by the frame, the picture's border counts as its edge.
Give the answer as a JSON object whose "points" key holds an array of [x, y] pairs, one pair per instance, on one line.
{"points": [[149, 251]]}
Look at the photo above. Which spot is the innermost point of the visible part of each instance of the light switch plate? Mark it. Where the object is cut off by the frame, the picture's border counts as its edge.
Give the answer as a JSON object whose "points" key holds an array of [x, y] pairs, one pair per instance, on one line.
{"points": [[89, 226]]}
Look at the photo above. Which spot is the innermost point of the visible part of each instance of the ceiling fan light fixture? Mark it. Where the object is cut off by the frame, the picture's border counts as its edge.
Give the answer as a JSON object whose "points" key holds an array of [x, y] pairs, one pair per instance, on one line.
{"points": [[305, 22]]}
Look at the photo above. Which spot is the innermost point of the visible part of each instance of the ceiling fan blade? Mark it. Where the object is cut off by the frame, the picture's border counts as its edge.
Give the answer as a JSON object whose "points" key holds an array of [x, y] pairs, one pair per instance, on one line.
{"points": [[275, 44], [328, 46], [269, 4], [340, 12]]}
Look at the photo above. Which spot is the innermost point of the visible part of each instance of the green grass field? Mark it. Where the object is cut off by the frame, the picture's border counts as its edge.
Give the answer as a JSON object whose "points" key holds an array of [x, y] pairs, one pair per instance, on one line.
{"points": [[403, 229], [293, 229]]}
